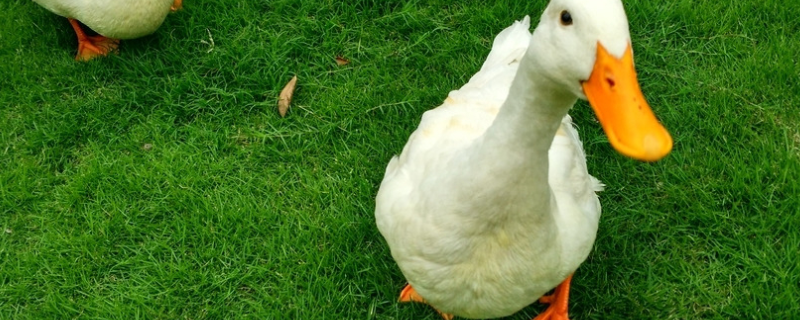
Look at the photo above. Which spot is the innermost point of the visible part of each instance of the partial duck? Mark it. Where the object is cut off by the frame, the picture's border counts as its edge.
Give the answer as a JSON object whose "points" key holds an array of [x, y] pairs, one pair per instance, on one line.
{"points": [[490, 204], [111, 19]]}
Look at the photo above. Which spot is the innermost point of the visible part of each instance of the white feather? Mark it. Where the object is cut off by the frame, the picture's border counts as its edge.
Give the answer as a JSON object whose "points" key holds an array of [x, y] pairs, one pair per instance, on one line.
{"points": [[118, 19], [471, 228]]}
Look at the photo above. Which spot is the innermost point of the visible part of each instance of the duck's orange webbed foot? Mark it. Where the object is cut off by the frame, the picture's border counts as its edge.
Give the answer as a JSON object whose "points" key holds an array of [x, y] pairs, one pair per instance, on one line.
{"points": [[176, 5], [558, 303], [410, 295], [90, 47]]}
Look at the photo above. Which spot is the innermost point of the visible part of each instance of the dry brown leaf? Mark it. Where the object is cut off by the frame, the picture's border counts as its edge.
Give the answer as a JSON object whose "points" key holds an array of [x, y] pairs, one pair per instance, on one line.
{"points": [[286, 96], [341, 61]]}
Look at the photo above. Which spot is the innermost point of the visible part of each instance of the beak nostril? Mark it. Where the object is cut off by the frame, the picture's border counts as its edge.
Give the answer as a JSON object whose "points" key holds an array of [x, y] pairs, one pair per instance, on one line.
{"points": [[610, 82]]}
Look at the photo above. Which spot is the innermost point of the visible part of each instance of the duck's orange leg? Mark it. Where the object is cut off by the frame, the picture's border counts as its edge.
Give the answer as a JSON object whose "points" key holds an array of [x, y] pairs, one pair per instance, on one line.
{"points": [[176, 5], [90, 47], [410, 295], [558, 303]]}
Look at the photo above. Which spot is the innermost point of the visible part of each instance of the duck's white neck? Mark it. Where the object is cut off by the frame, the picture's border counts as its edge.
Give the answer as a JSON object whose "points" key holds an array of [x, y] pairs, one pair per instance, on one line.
{"points": [[530, 116], [511, 158]]}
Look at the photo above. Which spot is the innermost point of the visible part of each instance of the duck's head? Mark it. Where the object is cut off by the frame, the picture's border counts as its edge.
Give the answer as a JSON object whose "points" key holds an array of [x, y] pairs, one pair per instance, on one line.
{"points": [[585, 46]]}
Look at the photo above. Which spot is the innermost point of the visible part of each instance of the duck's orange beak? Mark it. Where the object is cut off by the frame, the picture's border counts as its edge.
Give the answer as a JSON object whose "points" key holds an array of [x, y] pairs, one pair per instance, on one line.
{"points": [[629, 123]]}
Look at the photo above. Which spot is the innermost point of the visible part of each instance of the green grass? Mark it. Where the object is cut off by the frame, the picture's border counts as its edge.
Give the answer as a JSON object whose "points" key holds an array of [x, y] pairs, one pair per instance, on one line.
{"points": [[237, 213]]}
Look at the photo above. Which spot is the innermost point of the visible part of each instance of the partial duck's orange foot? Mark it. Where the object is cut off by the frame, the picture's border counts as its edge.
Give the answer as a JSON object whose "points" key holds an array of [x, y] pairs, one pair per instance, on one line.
{"points": [[176, 5], [410, 295], [558, 303], [90, 47], [95, 46]]}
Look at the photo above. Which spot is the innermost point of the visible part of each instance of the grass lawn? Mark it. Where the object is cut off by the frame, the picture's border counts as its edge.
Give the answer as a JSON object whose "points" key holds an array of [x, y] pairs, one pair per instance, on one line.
{"points": [[162, 184]]}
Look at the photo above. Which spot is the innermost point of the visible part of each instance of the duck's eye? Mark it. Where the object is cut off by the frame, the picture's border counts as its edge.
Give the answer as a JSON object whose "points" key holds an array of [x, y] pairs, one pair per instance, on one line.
{"points": [[566, 18]]}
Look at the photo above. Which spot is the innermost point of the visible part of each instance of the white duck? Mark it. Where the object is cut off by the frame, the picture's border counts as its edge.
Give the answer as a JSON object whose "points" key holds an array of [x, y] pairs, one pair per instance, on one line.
{"points": [[111, 19], [490, 204]]}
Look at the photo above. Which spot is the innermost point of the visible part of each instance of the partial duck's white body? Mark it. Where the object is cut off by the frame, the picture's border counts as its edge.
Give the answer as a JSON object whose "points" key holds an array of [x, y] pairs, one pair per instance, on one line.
{"points": [[490, 203], [472, 225], [118, 19]]}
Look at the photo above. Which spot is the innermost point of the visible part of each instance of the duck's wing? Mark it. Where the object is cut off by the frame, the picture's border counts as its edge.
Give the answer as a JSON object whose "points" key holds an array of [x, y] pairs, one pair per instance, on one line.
{"points": [[464, 116], [569, 177], [467, 112]]}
